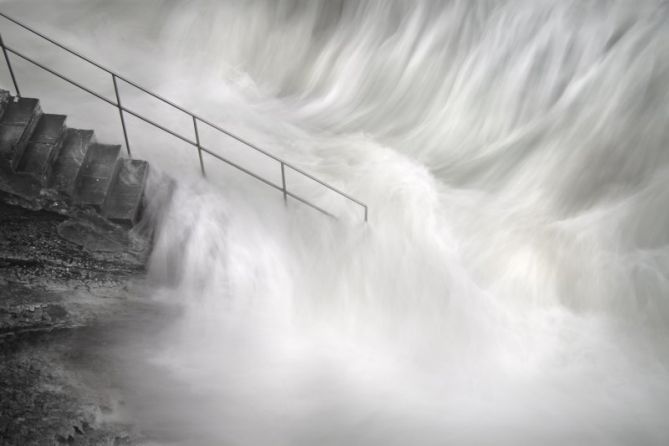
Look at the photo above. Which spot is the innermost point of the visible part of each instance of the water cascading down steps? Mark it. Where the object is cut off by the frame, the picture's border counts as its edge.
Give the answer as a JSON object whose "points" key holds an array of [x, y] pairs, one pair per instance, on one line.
{"points": [[45, 165]]}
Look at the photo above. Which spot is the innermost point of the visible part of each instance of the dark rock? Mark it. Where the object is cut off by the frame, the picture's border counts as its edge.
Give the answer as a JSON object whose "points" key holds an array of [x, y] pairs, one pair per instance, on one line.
{"points": [[51, 291], [93, 237], [33, 250], [26, 187]]}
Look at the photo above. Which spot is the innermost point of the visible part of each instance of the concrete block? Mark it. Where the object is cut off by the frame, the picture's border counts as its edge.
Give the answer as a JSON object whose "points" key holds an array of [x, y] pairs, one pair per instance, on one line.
{"points": [[4, 100], [70, 158], [95, 174], [43, 147], [124, 200], [20, 111], [16, 126], [49, 128]]}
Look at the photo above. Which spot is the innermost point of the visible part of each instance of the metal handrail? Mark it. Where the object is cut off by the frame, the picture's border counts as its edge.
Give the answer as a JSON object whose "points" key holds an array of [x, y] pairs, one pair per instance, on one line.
{"points": [[195, 118]]}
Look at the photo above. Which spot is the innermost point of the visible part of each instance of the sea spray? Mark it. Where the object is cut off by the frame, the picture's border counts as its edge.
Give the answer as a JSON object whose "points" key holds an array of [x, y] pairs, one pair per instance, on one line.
{"points": [[510, 286]]}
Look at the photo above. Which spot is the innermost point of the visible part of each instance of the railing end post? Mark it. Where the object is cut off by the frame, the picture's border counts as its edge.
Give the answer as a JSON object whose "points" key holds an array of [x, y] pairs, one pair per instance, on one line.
{"points": [[9, 67], [283, 182], [119, 105], [199, 146]]}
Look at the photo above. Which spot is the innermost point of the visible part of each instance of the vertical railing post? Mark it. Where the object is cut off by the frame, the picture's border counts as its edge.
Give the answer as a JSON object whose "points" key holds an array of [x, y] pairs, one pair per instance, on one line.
{"points": [[283, 182], [365, 213], [9, 67], [120, 111], [199, 147]]}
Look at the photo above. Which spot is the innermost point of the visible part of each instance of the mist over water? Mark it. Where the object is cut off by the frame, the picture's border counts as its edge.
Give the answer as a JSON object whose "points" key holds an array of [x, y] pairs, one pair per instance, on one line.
{"points": [[512, 285]]}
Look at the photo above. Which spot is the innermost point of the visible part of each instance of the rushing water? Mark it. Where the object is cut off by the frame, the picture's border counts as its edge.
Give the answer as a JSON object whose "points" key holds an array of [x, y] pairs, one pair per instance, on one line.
{"points": [[512, 285]]}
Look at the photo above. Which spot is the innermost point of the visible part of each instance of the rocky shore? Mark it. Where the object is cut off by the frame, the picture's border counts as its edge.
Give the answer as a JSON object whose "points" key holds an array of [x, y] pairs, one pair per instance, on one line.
{"points": [[54, 296]]}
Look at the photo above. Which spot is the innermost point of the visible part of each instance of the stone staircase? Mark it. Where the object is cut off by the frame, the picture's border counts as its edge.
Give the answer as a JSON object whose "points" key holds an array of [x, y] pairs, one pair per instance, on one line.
{"points": [[44, 165]]}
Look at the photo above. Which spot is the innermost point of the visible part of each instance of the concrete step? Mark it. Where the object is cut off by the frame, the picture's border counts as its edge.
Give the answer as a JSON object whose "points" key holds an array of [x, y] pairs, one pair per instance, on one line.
{"points": [[49, 129], [95, 174], [16, 127], [4, 99], [124, 200], [43, 147], [70, 158]]}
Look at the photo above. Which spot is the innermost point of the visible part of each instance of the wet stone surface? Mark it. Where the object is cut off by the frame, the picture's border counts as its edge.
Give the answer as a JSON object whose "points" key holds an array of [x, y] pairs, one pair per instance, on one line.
{"points": [[53, 293], [42, 401]]}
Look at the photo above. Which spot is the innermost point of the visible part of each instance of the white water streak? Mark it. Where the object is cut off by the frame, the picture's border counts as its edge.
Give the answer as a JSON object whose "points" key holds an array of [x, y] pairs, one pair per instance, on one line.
{"points": [[512, 285]]}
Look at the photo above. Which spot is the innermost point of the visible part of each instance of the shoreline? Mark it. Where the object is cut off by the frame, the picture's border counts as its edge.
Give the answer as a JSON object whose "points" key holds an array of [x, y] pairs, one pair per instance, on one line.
{"points": [[56, 297]]}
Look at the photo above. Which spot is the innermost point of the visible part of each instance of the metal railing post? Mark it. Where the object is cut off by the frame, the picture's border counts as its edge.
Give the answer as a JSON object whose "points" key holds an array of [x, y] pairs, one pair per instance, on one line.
{"points": [[283, 182], [199, 146], [120, 111], [9, 67]]}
